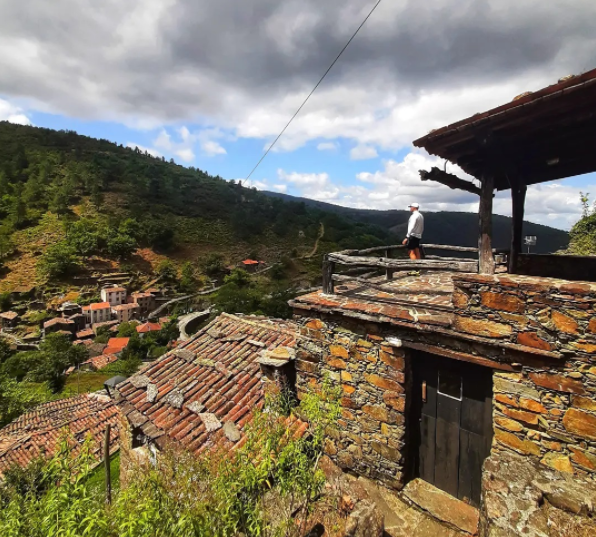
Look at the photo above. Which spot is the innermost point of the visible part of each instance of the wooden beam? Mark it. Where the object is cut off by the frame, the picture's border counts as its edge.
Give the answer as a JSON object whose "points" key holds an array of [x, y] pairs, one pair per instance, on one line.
{"points": [[457, 355], [486, 262], [448, 179], [403, 264], [518, 200]]}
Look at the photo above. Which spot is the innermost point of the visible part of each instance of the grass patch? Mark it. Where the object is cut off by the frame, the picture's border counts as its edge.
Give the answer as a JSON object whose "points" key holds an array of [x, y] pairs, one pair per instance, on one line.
{"points": [[84, 382]]}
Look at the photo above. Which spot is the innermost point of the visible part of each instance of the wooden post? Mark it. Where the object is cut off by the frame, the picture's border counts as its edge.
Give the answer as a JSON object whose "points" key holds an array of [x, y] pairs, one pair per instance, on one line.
{"points": [[388, 272], [486, 262], [106, 461], [328, 267], [518, 200]]}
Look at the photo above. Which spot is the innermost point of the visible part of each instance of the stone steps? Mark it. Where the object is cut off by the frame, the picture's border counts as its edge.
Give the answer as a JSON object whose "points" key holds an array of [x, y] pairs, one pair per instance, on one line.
{"points": [[442, 506]]}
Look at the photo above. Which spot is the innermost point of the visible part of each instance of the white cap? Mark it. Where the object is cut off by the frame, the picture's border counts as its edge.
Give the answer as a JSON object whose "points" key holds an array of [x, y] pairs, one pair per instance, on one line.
{"points": [[415, 205]]}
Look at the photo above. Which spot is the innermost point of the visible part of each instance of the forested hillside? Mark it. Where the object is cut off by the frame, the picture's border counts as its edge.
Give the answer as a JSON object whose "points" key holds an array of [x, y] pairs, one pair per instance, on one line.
{"points": [[447, 227], [65, 197]]}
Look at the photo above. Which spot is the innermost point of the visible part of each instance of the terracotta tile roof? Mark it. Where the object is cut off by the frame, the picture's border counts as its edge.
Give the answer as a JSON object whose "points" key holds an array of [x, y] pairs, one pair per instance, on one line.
{"points": [[207, 381], [142, 295], [250, 262], [9, 315], [100, 306], [40, 430], [116, 345], [99, 362], [95, 326], [56, 321], [148, 327], [86, 308], [114, 289], [123, 307], [85, 333]]}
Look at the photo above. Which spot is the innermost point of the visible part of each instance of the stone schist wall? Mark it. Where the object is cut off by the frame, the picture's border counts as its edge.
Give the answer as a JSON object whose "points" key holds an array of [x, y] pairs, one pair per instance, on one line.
{"points": [[522, 497], [546, 409], [544, 314], [372, 374]]}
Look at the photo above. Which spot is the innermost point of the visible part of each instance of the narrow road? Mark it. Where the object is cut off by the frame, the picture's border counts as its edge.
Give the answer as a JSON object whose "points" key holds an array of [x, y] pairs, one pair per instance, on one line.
{"points": [[316, 246]]}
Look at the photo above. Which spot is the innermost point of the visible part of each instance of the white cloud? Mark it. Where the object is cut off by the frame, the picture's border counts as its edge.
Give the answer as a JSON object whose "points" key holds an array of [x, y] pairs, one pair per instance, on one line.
{"points": [[397, 184], [149, 150], [363, 152], [317, 180], [328, 146], [186, 154], [211, 148], [280, 188], [13, 114]]}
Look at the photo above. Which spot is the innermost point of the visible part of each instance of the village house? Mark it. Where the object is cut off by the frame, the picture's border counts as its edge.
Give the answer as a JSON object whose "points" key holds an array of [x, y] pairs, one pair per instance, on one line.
{"points": [[68, 309], [97, 363], [38, 432], [79, 320], [9, 319], [98, 312], [59, 324], [146, 302], [250, 265], [468, 384], [113, 295], [126, 312], [205, 389], [116, 345], [147, 328]]}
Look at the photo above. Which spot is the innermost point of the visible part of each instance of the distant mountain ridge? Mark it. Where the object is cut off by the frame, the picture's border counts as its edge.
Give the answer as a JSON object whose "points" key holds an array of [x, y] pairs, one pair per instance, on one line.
{"points": [[445, 227]]}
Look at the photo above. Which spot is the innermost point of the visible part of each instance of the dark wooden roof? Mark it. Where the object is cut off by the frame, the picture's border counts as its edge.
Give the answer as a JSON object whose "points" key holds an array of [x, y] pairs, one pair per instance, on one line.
{"points": [[546, 135]]}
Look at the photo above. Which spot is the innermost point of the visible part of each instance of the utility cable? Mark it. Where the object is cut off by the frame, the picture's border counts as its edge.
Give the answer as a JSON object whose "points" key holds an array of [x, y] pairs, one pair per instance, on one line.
{"points": [[314, 89]]}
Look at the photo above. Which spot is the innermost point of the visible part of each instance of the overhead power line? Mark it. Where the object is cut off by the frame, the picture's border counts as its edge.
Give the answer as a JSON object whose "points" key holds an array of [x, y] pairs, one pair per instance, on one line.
{"points": [[314, 89]]}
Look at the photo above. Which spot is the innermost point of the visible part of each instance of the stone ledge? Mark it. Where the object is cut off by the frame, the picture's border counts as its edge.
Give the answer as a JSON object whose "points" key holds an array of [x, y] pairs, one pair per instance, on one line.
{"points": [[442, 506]]}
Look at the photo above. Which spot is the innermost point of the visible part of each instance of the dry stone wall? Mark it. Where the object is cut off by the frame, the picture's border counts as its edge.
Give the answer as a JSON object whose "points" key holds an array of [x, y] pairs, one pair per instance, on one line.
{"points": [[372, 376], [547, 410], [543, 314]]}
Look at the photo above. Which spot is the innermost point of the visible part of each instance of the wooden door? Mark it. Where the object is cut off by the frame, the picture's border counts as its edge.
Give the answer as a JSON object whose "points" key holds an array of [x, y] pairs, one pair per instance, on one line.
{"points": [[452, 424]]}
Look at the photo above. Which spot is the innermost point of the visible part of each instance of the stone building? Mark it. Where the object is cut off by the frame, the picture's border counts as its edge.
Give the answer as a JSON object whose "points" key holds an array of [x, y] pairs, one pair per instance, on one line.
{"points": [[146, 301], [473, 377], [126, 312], [38, 432], [98, 312], [114, 295], [204, 390]]}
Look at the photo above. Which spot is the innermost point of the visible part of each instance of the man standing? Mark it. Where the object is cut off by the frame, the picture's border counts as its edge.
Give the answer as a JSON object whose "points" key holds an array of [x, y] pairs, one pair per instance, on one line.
{"points": [[415, 231]]}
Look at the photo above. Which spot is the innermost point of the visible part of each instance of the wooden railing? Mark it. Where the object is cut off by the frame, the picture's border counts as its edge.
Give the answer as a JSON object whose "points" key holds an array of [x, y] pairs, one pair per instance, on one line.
{"points": [[360, 260]]}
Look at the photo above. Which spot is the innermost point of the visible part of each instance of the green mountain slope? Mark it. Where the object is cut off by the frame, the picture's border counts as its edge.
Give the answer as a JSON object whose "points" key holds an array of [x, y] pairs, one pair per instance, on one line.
{"points": [[89, 204], [446, 227], [98, 200]]}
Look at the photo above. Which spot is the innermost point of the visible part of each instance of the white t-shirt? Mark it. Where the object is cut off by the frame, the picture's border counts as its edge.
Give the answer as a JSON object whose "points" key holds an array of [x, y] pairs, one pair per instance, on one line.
{"points": [[416, 225]]}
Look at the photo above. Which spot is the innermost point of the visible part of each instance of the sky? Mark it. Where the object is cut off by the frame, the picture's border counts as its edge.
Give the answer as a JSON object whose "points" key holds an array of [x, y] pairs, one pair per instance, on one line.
{"points": [[211, 84]]}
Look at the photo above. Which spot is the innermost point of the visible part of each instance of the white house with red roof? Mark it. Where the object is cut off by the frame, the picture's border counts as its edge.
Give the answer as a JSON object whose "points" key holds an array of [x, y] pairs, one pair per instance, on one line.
{"points": [[114, 295], [99, 312]]}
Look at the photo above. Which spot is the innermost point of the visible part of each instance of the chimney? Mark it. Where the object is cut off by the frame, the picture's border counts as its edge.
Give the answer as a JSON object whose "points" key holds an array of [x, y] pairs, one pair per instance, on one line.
{"points": [[278, 369]]}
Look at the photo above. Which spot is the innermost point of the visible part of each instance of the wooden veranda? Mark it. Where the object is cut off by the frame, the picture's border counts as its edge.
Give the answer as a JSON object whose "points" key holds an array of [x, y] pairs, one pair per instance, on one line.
{"points": [[541, 136]]}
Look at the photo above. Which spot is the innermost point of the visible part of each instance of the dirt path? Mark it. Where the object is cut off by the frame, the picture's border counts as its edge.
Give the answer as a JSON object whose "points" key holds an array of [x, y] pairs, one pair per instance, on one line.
{"points": [[316, 246]]}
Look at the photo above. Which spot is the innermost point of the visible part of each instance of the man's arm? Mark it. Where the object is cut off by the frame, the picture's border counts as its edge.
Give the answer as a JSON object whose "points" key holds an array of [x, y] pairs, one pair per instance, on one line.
{"points": [[410, 228]]}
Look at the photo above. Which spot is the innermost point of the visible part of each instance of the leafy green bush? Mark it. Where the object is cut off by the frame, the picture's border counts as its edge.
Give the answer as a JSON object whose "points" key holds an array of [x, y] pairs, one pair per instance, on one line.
{"points": [[48, 364], [59, 260], [220, 493], [583, 233]]}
